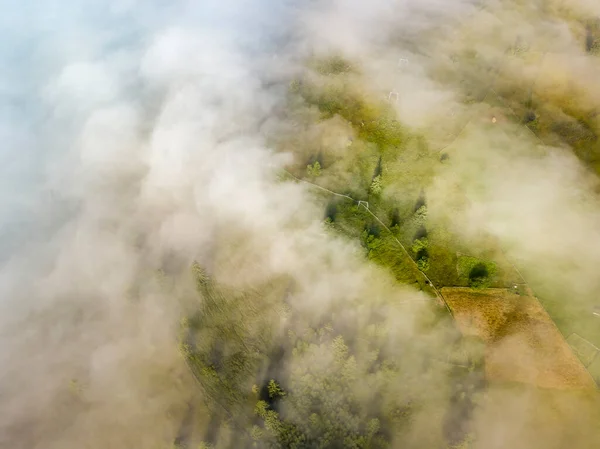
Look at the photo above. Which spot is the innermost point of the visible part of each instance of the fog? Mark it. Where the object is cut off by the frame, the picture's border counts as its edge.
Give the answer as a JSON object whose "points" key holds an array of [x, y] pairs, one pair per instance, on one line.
{"points": [[141, 137]]}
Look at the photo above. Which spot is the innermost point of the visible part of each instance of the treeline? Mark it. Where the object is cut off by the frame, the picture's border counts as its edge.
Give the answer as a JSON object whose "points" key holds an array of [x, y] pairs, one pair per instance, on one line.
{"points": [[269, 379]]}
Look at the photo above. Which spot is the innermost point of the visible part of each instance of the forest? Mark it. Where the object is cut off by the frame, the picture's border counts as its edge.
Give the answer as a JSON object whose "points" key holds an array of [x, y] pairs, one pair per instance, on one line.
{"points": [[375, 372]]}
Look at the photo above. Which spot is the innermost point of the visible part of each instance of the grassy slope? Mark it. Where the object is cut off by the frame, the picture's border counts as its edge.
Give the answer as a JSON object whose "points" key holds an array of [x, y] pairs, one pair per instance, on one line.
{"points": [[403, 163], [381, 147]]}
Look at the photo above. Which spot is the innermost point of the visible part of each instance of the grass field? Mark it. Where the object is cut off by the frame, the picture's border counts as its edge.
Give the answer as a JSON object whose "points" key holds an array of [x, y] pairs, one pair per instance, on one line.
{"points": [[594, 368], [585, 350], [523, 344]]}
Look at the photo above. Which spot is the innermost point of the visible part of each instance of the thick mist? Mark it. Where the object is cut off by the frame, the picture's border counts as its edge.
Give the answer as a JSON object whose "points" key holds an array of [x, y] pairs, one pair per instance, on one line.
{"points": [[141, 137]]}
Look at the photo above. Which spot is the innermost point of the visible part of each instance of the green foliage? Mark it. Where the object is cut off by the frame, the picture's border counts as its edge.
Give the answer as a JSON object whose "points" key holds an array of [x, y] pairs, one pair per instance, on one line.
{"points": [[284, 434], [376, 186], [200, 276], [420, 216], [419, 247], [275, 390], [225, 342], [256, 433], [374, 123], [385, 251], [336, 99], [475, 272], [420, 244], [322, 408], [373, 426], [383, 131], [423, 264], [314, 170]]}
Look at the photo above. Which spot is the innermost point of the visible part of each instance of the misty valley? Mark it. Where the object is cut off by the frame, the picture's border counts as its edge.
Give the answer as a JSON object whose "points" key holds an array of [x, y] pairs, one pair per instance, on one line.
{"points": [[333, 224]]}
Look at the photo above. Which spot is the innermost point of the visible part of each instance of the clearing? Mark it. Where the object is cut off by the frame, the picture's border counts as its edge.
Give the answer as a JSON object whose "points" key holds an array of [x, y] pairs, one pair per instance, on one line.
{"points": [[522, 342]]}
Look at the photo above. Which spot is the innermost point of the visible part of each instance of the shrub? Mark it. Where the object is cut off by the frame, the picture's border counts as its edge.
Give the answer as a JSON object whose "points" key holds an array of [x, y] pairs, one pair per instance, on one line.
{"points": [[423, 264], [314, 170], [420, 244], [477, 273], [376, 186]]}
